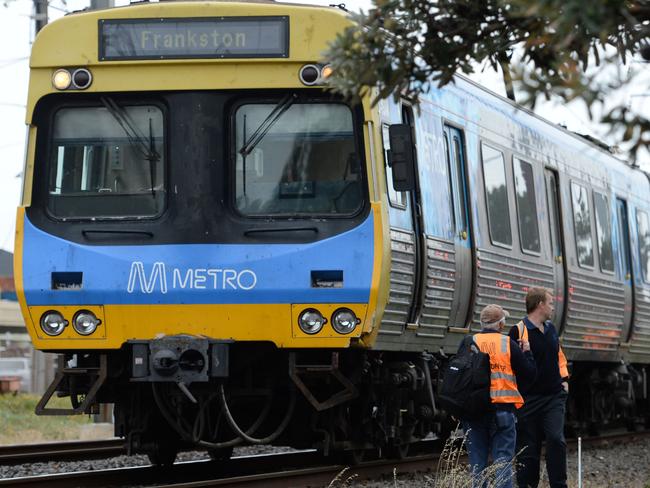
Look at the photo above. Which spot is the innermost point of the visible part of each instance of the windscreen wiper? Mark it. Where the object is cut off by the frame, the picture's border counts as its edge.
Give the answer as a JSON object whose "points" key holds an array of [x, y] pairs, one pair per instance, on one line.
{"points": [[282, 106], [145, 146]]}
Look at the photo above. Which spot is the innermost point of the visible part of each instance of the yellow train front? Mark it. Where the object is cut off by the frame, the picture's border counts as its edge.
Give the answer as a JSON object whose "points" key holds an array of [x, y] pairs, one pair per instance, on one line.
{"points": [[201, 238]]}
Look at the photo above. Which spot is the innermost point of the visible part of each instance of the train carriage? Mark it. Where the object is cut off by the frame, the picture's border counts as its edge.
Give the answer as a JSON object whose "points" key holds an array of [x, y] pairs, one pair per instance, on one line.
{"points": [[229, 253]]}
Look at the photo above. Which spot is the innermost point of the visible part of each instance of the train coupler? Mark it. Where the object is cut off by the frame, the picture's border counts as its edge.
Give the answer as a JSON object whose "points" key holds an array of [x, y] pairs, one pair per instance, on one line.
{"points": [[179, 359]]}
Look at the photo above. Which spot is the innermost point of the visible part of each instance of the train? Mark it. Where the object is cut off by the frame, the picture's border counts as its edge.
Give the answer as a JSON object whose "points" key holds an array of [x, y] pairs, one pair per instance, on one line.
{"points": [[230, 254]]}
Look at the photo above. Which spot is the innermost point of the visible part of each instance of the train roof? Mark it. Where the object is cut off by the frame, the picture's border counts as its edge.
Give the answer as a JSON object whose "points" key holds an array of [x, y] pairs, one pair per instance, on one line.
{"points": [[593, 142]]}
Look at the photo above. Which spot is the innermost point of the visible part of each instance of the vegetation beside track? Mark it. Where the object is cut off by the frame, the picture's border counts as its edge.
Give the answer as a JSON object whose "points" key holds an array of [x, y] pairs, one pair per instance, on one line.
{"points": [[20, 425]]}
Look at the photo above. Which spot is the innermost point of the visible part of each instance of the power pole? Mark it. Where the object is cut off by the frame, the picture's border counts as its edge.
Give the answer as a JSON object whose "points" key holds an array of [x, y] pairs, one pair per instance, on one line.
{"points": [[40, 15]]}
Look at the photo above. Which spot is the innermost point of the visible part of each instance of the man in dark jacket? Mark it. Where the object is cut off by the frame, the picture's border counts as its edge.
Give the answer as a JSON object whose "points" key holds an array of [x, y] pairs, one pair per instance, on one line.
{"points": [[494, 432], [542, 416]]}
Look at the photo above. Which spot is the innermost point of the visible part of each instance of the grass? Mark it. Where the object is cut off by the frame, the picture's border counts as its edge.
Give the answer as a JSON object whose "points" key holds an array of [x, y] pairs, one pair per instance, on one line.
{"points": [[452, 470], [20, 425]]}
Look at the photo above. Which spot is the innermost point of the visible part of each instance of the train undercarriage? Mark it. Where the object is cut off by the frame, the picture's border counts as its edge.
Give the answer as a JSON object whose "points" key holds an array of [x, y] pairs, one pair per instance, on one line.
{"points": [[608, 395], [180, 393]]}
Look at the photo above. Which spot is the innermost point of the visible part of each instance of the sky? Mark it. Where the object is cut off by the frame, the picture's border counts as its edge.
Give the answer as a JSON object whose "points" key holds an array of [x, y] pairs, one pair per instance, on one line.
{"points": [[16, 35]]}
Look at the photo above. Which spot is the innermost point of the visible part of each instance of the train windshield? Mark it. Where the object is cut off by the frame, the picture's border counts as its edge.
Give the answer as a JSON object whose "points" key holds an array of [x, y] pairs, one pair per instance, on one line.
{"points": [[296, 159], [107, 162]]}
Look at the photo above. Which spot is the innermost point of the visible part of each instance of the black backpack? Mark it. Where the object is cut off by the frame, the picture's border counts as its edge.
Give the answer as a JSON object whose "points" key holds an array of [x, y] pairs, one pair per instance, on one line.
{"points": [[465, 390]]}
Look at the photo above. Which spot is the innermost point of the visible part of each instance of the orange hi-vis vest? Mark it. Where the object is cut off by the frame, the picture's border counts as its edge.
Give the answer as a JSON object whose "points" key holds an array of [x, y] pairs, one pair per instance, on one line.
{"points": [[503, 383], [561, 358]]}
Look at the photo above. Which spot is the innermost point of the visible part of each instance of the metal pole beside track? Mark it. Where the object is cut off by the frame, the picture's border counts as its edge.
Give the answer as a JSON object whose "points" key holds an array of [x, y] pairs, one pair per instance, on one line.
{"points": [[579, 462]]}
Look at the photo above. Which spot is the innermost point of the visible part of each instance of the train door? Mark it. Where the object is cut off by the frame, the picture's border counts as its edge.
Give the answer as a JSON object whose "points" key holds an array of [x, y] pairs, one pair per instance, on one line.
{"points": [[557, 244], [406, 248], [626, 260], [455, 150]]}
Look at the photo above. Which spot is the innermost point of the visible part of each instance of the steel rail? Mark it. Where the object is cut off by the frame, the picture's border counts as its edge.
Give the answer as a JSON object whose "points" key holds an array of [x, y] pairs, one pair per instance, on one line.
{"points": [[61, 451], [180, 472]]}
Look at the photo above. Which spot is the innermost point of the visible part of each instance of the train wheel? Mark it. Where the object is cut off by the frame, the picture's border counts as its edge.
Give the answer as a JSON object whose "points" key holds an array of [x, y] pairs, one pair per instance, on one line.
{"points": [[162, 455], [593, 430], [353, 457], [221, 454], [398, 452]]}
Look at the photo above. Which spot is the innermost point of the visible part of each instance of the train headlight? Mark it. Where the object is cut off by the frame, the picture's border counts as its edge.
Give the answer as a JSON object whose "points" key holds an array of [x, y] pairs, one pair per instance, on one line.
{"points": [[85, 322], [53, 323], [344, 321], [61, 79], [311, 321], [309, 74], [81, 78]]}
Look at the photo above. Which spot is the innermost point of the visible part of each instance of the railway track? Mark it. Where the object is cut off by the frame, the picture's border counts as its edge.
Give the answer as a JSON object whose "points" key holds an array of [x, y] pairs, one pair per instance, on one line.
{"points": [[300, 468], [303, 468], [181, 473], [61, 451]]}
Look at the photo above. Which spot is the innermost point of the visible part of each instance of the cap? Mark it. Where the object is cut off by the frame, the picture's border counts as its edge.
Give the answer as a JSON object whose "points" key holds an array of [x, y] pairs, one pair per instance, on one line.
{"points": [[493, 314]]}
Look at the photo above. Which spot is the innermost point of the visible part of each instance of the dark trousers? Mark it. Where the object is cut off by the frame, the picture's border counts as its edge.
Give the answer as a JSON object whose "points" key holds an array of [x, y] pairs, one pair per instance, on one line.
{"points": [[541, 418]]}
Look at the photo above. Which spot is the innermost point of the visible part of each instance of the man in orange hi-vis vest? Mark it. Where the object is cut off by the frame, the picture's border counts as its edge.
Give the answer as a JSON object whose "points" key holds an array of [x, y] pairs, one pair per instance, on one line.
{"points": [[542, 416], [494, 432]]}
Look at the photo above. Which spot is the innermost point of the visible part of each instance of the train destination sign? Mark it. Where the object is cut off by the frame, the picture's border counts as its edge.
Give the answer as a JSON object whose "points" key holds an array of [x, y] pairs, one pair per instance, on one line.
{"points": [[204, 37]]}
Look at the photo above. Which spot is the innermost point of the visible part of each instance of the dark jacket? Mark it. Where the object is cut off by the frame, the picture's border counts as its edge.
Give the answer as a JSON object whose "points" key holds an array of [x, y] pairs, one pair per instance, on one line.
{"points": [[545, 348]]}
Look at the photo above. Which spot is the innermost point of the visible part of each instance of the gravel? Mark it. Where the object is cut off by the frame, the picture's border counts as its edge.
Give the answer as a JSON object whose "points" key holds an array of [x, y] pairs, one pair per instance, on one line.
{"points": [[21, 470], [619, 465]]}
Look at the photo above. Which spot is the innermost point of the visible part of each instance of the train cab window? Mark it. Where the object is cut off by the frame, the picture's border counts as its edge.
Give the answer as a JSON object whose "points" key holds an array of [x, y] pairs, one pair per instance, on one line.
{"points": [[643, 229], [302, 160], [582, 223], [604, 233], [496, 194], [396, 198], [526, 206], [107, 162]]}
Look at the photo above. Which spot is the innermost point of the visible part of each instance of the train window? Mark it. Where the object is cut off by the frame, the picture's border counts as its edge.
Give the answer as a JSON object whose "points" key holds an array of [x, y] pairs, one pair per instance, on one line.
{"points": [[643, 226], [107, 162], [526, 206], [496, 192], [582, 223], [461, 212], [554, 221], [396, 198], [451, 184], [303, 162], [604, 232]]}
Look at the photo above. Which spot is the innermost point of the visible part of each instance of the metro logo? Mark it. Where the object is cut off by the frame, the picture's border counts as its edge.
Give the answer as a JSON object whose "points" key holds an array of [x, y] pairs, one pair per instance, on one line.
{"points": [[147, 285], [189, 278]]}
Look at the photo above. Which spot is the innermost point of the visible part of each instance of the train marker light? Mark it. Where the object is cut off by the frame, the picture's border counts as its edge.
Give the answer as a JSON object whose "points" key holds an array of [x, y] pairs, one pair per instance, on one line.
{"points": [[81, 78], [344, 321], [311, 321], [309, 74], [85, 322], [53, 323], [61, 79], [326, 72]]}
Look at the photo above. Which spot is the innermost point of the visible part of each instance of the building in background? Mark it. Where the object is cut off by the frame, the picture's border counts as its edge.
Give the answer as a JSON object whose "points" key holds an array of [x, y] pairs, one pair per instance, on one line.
{"points": [[14, 340]]}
